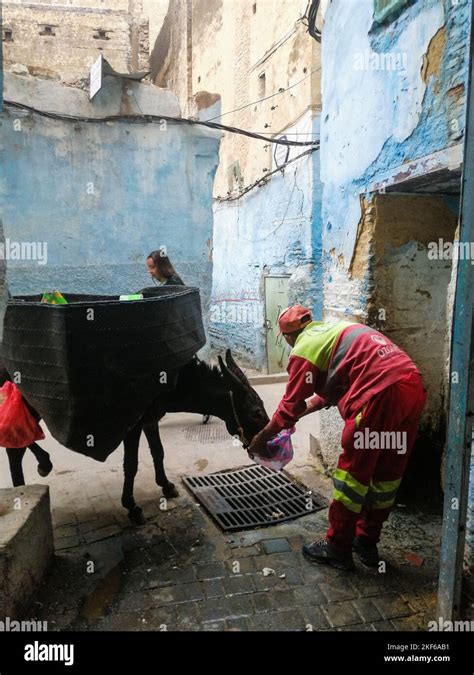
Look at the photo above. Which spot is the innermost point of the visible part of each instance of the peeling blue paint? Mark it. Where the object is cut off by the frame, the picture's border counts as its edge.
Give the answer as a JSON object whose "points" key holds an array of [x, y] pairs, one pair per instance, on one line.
{"points": [[382, 127], [361, 105]]}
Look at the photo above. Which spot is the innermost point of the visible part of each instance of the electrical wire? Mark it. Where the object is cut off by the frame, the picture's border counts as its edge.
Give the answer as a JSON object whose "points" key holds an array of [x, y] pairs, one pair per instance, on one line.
{"points": [[292, 133], [261, 100], [311, 15], [263, 179], [155, 118]]}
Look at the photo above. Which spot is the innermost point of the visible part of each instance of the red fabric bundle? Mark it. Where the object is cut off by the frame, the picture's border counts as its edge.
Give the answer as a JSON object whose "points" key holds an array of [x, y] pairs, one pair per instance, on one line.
{"points": [[18, 427]]}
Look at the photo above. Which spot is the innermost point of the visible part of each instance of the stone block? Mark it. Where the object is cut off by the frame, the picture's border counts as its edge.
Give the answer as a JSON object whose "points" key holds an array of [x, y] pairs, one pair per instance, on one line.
{"points": [[26, 546]]}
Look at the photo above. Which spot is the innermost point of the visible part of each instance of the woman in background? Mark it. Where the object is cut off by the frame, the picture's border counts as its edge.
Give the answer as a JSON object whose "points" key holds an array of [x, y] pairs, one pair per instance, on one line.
{"points": [[161, 270]]}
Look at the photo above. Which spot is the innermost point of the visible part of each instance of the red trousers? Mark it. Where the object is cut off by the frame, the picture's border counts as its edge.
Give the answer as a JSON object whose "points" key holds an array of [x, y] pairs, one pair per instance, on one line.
{"points": [[377, 444]]}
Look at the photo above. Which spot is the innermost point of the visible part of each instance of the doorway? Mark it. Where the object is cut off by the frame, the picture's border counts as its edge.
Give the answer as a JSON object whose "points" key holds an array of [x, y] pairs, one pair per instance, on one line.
{"points": [[411, 304], [276, 299]]}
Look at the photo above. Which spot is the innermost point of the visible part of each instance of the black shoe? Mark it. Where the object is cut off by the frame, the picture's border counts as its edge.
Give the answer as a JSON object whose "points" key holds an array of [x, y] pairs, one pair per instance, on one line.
{"points": [[367, 552], [321, 551], [44, 469]]}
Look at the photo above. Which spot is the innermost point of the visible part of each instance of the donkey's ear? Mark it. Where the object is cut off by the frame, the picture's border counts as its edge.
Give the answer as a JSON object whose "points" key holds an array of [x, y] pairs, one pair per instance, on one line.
{"points": [[234, 368], [230, 379]]}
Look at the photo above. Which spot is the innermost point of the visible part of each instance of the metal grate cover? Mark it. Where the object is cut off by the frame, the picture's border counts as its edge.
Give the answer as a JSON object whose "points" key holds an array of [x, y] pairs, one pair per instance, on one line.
{"points": [[212, 432], [252, 496]]}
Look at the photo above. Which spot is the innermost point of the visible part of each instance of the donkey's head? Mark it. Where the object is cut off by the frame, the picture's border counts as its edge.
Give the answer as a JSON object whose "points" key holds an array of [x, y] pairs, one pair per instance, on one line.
{"points": [[248, 411]]}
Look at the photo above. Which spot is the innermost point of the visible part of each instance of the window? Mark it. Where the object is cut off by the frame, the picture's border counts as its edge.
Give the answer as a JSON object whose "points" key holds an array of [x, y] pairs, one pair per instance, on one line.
{"points": [[254, 8], [262, 84], [8, 35], [47, 30], [101, 35], [388, 9]]}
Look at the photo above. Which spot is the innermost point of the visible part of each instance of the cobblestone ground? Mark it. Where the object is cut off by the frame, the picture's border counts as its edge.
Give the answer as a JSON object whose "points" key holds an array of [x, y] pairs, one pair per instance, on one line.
{"points": [[180, 572]]}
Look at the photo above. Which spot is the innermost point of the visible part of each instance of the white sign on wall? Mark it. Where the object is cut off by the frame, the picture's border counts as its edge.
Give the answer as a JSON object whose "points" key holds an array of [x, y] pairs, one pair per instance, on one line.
{"points": [[95, 79]]}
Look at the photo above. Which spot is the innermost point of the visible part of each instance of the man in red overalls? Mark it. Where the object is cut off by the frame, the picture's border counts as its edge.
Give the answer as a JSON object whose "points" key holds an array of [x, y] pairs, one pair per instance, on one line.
{"points": [[380, 395]]}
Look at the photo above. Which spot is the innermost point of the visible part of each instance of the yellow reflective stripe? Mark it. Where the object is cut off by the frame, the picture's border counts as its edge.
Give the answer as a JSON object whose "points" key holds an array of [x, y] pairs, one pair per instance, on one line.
{"points": [[382, 494], [381, 497], [350, 481], [383, 505], [346, 490], [348, 503], [383, 486]]}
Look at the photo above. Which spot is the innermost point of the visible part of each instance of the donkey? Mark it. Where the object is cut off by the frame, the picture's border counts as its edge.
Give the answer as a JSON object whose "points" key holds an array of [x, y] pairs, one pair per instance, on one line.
{"points": [[222, 391]]}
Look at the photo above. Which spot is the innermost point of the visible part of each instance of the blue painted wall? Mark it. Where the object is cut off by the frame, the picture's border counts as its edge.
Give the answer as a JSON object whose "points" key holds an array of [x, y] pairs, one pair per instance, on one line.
{"points": [[273, 230], [102, 196], [3, 290], [376, 119]]}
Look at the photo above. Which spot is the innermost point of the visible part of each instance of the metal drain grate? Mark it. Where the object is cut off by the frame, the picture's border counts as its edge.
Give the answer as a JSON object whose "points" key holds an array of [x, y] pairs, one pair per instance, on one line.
{"points": [[212, 432], [252, 496]]}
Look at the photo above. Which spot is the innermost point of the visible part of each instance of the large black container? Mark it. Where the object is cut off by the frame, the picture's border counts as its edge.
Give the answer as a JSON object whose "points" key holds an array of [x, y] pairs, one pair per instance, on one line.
{"points": [[92, 367]]}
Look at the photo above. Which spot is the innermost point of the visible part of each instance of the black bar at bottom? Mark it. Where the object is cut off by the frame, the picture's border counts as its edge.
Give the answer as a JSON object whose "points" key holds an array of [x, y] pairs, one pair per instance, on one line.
{"points": [[147, 652]]}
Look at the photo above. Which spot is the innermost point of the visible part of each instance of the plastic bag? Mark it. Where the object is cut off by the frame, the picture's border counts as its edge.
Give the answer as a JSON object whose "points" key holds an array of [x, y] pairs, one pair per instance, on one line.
{"points": [[279, 451], [54, 298], [18, 427]]}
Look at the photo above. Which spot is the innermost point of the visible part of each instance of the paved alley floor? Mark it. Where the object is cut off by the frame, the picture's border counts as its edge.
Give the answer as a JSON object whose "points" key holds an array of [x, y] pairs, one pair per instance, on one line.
{"points": [[180, 572]]}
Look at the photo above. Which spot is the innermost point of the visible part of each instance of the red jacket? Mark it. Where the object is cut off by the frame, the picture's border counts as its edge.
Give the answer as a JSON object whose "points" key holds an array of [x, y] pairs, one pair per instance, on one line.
{"points": [[344, 364]]}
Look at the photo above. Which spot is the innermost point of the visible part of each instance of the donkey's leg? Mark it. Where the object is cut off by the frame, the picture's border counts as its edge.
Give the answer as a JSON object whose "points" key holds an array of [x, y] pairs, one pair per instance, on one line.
{"points": [[15, 458], [45, 466], [152, 433], [130, 467]]}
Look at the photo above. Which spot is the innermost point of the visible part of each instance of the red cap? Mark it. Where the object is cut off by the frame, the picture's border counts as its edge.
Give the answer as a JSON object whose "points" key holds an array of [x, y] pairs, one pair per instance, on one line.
{"points": [[294, 318]]}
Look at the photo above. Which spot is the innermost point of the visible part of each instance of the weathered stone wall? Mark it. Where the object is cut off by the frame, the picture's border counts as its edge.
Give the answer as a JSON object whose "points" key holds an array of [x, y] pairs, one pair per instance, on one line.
{"points": [[62, 42], [169, 57]]}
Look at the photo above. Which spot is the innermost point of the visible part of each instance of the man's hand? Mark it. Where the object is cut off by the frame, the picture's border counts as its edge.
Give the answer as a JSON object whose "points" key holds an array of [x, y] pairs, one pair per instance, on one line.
{"points": [[258, 446]]}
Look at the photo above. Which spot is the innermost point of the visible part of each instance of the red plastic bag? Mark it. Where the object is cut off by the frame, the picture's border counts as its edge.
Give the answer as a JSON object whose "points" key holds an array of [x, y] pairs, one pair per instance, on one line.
{"points": [[18, 427]]}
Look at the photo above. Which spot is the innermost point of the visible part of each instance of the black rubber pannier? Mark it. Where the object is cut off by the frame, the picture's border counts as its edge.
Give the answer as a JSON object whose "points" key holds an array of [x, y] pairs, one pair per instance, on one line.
{"points": [[92, 367]]}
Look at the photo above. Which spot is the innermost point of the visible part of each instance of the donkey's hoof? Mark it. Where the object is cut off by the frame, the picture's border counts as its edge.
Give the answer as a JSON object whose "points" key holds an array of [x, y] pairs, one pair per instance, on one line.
{"points": [[44, 469], [170, 491], [136, 516]]}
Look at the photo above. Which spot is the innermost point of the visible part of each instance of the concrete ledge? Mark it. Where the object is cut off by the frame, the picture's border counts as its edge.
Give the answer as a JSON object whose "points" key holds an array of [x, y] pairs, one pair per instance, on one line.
{"points": [[26, 546], [45, 94], [268, 379]]}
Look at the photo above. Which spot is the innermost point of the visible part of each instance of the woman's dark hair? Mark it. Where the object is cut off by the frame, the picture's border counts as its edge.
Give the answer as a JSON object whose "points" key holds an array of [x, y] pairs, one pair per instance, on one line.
{"points": [[162, 264]]}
